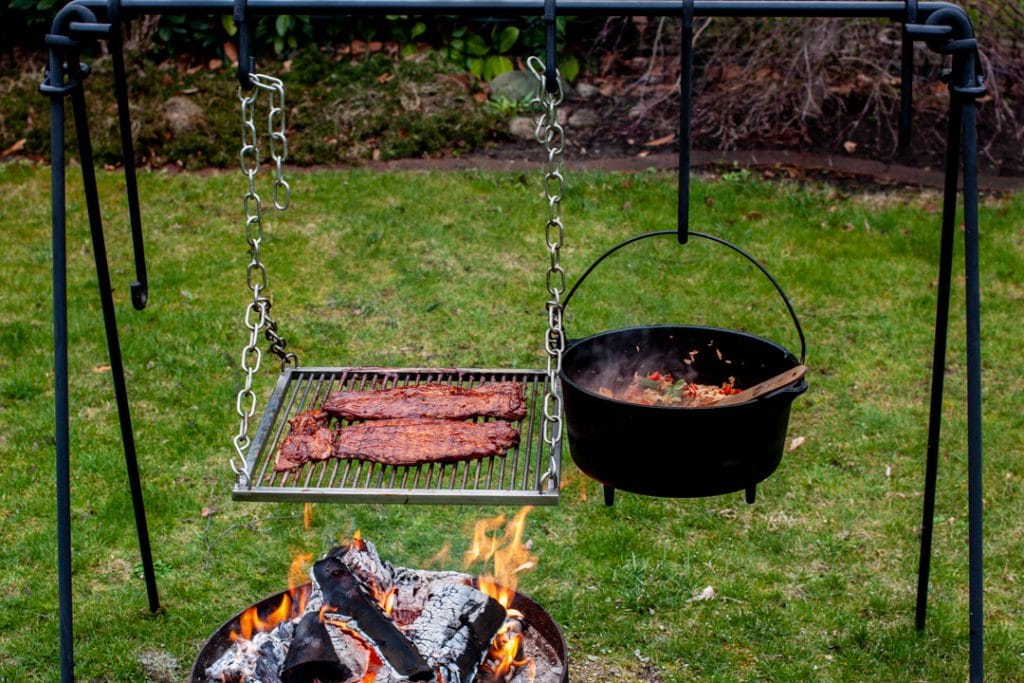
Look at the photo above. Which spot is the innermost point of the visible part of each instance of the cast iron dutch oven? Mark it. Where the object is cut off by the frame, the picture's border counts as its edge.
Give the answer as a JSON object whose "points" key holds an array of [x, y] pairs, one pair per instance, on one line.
{"points": [[671, 451]]}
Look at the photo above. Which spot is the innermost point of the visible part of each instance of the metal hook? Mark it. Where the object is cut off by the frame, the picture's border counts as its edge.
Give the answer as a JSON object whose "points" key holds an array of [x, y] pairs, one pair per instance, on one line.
{"points": [[550, 47], [140, 286], [246, 62]]}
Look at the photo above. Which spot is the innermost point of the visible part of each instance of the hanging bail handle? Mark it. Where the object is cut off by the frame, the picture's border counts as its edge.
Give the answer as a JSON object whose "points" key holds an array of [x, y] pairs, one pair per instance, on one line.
{"points": [[550, 47], [246, 62], [685, 114]]}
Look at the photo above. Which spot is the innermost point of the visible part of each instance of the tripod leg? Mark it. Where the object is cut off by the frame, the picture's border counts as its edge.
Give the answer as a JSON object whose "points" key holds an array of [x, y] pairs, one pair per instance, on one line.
{"points": [[60, 374], [974, 459], [939, 356]]}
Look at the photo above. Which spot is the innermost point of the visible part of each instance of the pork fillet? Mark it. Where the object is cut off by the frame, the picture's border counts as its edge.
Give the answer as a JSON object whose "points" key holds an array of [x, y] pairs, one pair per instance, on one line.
{"points": [[308, 438], [416, 441], [503, 400]]}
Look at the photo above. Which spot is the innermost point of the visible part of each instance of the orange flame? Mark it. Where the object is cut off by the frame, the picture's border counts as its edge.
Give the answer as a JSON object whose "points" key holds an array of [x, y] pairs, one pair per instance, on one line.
{"points": [[505, 652], [293, 603], [510, 555]]}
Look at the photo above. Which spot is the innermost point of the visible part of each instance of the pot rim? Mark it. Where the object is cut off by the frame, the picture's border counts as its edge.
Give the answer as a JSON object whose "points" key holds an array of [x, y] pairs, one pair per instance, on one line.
{"points": [[799, 387]]}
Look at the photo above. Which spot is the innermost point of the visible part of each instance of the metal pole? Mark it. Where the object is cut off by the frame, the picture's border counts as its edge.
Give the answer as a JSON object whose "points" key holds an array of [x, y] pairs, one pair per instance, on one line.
{"points": [[113, 341], [685, 115], [886, 9], [939, 355], [60, 368], [972, 293], [140, 287]]}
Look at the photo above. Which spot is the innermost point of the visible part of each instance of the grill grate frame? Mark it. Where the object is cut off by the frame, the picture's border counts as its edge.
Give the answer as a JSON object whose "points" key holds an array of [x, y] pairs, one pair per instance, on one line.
{"points": [[526, 475]]}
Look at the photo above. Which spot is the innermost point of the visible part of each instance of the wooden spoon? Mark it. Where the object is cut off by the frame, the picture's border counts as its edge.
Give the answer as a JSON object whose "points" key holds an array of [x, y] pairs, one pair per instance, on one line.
{"points": [[761, 388]]}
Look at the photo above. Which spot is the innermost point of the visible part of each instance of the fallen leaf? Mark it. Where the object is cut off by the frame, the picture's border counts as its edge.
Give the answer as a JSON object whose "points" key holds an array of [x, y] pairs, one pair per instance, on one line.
{"points": [[658, 142], [215, 64], [385, 78], [753, 216], [101, 368], [15, 148], [206, 513], [707, 594], [796, 443], [190, 91], [850, 146]]}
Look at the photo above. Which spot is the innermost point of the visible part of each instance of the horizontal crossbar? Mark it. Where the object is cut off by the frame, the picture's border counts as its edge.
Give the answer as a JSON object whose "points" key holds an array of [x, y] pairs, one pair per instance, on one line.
{"points": [[711, 8]]}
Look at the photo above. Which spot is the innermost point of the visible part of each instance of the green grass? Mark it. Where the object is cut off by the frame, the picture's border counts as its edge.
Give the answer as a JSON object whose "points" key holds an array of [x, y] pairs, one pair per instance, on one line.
{"points": [[815, 582]]}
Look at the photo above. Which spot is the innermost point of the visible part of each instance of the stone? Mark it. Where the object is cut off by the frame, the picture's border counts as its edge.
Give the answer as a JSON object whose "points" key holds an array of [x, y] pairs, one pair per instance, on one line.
{"points": [[584, 118], [522, 127], [183, 115], [586, 90], [514, 86]]}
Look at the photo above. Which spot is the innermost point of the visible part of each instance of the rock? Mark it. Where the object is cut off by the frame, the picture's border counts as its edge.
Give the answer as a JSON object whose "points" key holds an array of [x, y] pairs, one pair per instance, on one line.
{"points": [[584, 118], [586, 90], [522, 127], [183, 115], [513, 85], [159, 666]]}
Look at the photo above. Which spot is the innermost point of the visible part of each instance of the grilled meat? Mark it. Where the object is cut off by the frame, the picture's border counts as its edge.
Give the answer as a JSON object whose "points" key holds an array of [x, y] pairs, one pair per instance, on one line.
{"points": [[504, 400], [308, 438], [416, 441]]}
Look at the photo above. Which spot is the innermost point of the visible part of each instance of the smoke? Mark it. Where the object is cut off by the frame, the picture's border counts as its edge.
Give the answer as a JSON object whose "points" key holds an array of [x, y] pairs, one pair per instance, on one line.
{"points": [[613, 368]]}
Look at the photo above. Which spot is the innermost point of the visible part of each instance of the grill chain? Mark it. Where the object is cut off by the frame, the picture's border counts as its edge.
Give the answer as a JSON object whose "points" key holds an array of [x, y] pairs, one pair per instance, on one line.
{"points": [[551, 135], [257, 313]]}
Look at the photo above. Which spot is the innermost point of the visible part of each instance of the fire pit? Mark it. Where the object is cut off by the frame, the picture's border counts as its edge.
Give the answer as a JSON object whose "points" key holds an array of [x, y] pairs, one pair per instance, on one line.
{"points": [[362, 620]]}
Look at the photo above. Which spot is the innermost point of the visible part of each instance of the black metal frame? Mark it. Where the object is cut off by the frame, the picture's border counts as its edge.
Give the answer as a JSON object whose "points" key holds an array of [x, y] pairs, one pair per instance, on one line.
{"points": [[945, 28]]}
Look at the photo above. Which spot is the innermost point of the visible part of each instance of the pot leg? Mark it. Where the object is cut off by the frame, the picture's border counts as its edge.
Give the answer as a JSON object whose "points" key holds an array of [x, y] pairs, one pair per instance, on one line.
{"points": [[751, 494], [609, 495]]}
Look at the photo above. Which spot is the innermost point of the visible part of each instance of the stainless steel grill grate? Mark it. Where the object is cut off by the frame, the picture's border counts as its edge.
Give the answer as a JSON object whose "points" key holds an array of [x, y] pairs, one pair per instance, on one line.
{"points": [[526, 474]]}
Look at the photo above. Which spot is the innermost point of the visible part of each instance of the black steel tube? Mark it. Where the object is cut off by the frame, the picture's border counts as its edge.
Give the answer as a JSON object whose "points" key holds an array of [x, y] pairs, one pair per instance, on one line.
{"points": [[60, 369], [551, 48], [92, 203], [907, 77], [895, 10], [972, 295], [685, 114], [939, 354], [140, 287]]}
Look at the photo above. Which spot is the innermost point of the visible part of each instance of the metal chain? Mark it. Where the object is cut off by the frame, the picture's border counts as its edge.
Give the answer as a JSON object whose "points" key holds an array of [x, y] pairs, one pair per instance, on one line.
{"points": [[257, 312], [551, 135]]}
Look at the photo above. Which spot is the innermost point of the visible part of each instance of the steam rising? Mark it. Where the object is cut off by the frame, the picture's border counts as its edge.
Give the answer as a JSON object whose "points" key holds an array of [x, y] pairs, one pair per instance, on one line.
{"points": [[611, 368]]}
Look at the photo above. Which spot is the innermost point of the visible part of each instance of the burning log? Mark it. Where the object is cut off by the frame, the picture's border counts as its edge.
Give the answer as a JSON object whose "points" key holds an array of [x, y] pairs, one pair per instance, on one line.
{"points": [[258, 659], [366, 620], [311, 655], [344, 596], [455, 628]]}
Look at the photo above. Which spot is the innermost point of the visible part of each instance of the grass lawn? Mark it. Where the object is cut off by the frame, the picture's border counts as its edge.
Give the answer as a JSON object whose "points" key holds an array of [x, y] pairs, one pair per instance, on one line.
{"points": [[814, 582]]}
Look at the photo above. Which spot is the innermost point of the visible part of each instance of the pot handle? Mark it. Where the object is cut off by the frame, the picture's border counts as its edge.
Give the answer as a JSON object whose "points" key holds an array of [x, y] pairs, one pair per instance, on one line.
{"points": [[719, 240]]}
